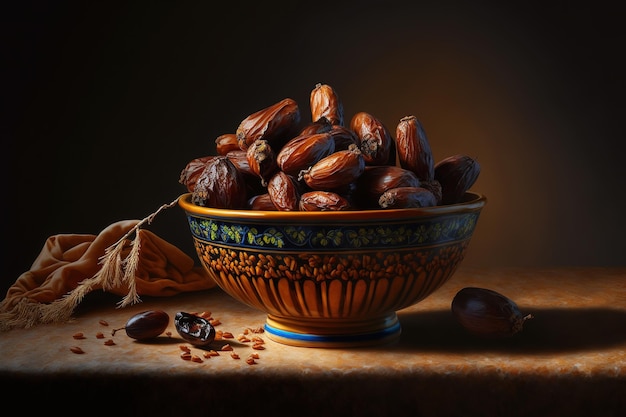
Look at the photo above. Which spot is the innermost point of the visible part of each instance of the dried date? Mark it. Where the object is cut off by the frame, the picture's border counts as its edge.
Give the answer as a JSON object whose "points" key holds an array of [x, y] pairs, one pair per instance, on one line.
{"points": [[456, 174], [284, 191], [189, 175], [336, 170], [413, 148], [376, 142], [406, 197], [272, 123], [304, 151], [375, 180], [220, 185], [226, 143], [325, 103], [323, 201], [262, 160]]}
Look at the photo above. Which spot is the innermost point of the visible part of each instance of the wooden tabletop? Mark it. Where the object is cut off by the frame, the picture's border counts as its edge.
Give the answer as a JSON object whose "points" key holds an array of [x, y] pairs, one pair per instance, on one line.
{"points": [[570, 359]]}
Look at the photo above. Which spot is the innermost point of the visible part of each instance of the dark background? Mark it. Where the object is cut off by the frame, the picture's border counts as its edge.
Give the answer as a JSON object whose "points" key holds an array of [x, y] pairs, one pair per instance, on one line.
{"points": [[105, 103]]}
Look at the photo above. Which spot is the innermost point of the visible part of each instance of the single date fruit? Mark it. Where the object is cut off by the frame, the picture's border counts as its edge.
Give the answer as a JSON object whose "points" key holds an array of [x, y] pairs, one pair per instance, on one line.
{"points": [[323, 201], [226, 143], [262, 160], [413, 148], [284, 191], [456, 174], [375, 180], [407, 197], [221, 185], [304, 151], [325, 103], [194, 168], [145, 325], [335, 170], [376, 142], [271, 123], [487, 313]]}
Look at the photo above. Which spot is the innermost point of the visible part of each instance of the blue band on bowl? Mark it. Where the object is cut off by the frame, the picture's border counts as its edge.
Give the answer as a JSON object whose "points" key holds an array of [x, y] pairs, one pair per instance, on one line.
{"points": [[387, 332]]}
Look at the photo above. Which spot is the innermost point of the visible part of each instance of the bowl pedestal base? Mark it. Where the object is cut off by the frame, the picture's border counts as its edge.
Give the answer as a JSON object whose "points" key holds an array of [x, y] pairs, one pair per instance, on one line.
{"points": [[333, 332]]}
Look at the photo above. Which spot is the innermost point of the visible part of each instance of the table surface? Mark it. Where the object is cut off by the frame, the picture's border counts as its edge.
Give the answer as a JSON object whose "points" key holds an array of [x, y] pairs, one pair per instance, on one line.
{"points": [[571, 358]]}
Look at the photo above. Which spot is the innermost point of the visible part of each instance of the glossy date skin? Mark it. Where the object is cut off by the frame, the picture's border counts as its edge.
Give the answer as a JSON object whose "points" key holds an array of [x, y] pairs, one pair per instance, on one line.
{"points": [[221, 185], [145, 325], [273, 123], [376, 142], [303, 151], [407, 197], [413, 148], [323, 201], [336, 170], [325, 104], [487, 313], [456, 174]]}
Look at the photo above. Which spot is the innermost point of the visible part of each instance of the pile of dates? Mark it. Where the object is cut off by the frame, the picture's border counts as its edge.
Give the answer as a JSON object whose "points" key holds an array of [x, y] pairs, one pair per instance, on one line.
{"points": [[277, 161]]}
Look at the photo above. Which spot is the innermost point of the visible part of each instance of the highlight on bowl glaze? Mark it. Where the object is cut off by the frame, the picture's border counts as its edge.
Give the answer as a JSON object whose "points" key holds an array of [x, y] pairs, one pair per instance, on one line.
{"points": [[332, 279]]}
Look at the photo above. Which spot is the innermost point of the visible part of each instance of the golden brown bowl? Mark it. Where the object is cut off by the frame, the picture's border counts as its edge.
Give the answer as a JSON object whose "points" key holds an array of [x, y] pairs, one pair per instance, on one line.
{"points": [[332, 279]]}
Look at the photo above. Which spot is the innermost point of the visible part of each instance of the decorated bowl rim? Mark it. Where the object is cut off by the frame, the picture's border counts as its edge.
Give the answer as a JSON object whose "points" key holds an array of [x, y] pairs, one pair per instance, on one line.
{"points": [[472, 202]]}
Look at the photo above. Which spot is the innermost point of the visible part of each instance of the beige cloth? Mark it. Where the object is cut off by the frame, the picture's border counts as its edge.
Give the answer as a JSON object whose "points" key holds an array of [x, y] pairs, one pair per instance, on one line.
{"points": [[70, 265]]}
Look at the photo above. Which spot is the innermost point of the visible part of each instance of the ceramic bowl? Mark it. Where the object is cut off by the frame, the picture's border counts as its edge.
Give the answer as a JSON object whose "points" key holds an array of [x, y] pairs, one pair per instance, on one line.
{"points": [[332, 278]]}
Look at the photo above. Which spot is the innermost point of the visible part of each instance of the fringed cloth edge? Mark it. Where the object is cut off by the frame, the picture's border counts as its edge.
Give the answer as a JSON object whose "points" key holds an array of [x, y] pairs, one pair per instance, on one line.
{"points": [[64, 273]]}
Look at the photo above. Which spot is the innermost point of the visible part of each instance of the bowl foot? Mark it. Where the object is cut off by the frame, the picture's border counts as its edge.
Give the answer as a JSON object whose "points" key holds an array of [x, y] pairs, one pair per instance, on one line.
{"points": [[333, 333]]}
